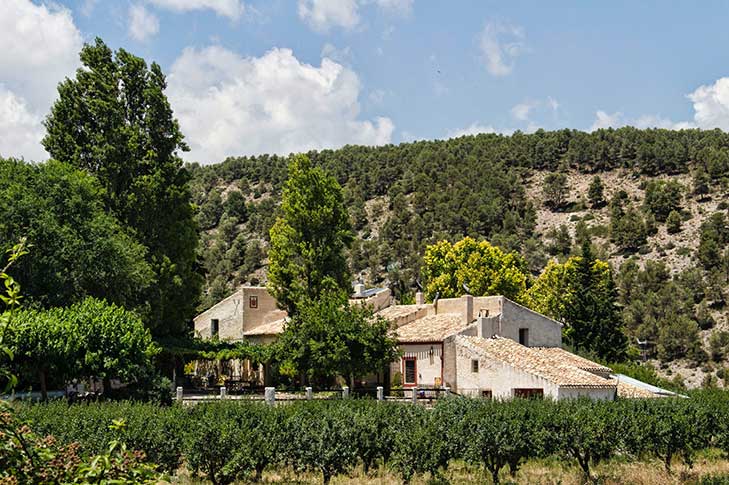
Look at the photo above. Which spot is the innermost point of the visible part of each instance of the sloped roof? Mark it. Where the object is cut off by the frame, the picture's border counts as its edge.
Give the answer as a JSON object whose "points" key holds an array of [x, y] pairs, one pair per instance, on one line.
{"points": [[431, 328], [630, 391], [554, 367], [393, 312], [573, 359], [270, 328]]}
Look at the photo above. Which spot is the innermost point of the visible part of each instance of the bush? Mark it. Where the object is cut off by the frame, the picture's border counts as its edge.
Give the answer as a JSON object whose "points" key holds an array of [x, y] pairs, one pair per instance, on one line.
{"points": [[233, 440]]}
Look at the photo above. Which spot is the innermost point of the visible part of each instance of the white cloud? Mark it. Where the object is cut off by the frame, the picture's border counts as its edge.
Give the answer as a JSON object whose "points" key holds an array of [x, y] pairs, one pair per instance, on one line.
{"points": [[711, 105], [20, 129], [617, 119], [321, 15], [39, 46], [142, 23], [521, 111], [229, 105], [500, 45], [233, 9], [607, 120], [342, 56], [552, 103], [472, 129]]}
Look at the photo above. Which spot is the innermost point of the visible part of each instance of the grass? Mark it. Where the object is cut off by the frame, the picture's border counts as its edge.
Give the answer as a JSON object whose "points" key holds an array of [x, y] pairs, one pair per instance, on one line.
{"points": [[709, 468]]}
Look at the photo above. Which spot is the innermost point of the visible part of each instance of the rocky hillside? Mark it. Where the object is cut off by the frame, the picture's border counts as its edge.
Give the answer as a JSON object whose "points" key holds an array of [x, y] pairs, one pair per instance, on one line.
{"points": [[659, 218]]}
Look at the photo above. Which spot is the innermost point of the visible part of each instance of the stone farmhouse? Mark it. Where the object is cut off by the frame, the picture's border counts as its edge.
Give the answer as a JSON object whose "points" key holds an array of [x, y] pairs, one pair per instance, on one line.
{"points": [[488, 347]]}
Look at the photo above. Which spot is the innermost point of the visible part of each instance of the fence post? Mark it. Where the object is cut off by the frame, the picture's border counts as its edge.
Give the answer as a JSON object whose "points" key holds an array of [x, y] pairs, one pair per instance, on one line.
{"points": [[380, 393], [179, 394], [415, 395], [309, 394], [223, 392], [270, 395], [345, 392]]}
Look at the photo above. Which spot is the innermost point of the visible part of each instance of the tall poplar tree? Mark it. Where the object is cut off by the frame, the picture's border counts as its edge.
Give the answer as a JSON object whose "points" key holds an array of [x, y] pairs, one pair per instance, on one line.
{"points": [[309, 238], [113, 120]]}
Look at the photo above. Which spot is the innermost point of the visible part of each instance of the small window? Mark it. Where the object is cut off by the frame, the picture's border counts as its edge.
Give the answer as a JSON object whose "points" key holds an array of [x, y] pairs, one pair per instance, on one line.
{"points": [[252, 302], [474, 365], [529, 393], [214, 327], [524, 336], [486, 394], [410, 372]]}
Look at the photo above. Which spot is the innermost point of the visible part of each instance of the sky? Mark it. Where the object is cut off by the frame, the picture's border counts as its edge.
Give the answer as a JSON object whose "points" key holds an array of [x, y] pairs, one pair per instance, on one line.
{"points": [[247, 77]]}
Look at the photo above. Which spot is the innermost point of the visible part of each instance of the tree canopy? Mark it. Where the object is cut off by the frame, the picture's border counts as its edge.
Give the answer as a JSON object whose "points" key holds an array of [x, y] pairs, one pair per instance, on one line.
{"points": [[113, 120], [309, 239], [582, 294], [329, 337], [484, 269], [87, 339], [79, 249]]}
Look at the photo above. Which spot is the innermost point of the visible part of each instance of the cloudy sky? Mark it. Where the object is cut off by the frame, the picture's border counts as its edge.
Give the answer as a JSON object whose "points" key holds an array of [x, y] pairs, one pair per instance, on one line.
{"points": [[278, 76]]}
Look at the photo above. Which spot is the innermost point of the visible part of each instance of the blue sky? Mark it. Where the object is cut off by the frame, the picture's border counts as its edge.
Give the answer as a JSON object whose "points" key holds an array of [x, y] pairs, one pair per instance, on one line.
{"points": [[248, 77]]}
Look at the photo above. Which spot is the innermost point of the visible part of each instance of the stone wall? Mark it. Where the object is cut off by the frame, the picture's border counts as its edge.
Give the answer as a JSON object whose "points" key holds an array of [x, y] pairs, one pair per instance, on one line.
{"points": [[244, 310], [543, 331]]}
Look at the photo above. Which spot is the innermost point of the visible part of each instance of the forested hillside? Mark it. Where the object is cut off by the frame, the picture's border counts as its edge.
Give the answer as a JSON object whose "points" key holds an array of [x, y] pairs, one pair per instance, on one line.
{"points": [[653, 203]]}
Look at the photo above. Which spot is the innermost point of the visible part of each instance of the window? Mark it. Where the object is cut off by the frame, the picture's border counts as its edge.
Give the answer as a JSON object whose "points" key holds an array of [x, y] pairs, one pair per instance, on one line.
{"points": [[409, 370], [474, 365], [252, 302], [214, 327], [529, 393], [486, 394], [524, 336]]}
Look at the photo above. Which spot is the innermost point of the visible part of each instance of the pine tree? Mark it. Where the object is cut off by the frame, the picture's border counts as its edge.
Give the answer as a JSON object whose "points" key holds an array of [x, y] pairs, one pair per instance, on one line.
{"points": [[593, 317], [595, 192]]}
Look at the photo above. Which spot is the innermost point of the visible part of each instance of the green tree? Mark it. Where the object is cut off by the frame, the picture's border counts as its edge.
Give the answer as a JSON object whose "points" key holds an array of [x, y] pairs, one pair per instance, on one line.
{"points": [[483, 268], [329, 337], [555, 190], [309, 239], [235, 205], [701, 181], [581, 293], [79, 249], [113, 120], [662, 197], [88, 339], [595, 192], [673, 222]]}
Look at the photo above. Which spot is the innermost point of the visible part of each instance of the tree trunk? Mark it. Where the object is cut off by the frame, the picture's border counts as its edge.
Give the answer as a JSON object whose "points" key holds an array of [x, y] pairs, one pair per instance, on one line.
{"points": [[43, 386]]}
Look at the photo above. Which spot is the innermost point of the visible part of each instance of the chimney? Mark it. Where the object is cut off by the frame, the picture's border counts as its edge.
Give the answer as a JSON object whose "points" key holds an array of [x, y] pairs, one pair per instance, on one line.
{"points": [[481, 330], [467, 308], [419, 298], [359, 289]]}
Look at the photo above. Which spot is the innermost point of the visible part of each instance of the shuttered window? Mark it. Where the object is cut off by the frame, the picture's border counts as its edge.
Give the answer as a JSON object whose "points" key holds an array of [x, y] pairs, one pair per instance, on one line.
{"points": [[410, 371]]}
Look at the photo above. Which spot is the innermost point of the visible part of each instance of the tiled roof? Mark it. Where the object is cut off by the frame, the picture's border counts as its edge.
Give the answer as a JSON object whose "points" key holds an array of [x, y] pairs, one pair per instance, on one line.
{"points": [[431, 328], [393, 312], [630, 391], [270, 328], [554, 367], [575, 360]]}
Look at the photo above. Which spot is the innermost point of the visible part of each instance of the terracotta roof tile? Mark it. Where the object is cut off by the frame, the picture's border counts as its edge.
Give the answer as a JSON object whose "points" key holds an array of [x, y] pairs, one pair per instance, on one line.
{"points": [[575, 360], [630, 391], [393, 312], [431, 328], [552, 366]]}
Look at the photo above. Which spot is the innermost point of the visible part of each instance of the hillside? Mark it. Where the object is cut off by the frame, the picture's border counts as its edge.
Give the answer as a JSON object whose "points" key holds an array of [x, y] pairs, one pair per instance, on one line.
{"points": [[527, 193]]}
